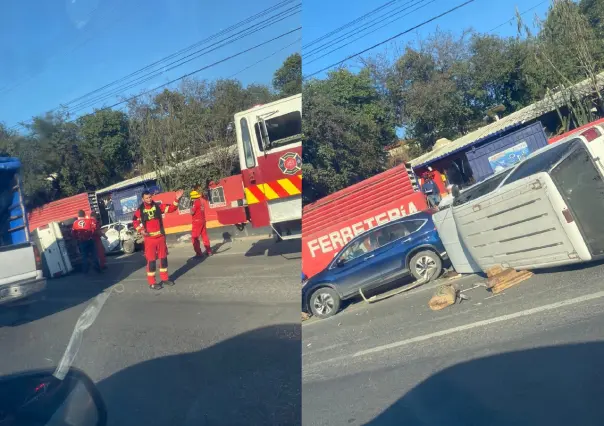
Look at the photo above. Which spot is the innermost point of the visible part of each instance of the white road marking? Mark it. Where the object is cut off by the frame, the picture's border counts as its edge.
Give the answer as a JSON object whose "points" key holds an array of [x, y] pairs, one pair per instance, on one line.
{"points": [[483, 323]]}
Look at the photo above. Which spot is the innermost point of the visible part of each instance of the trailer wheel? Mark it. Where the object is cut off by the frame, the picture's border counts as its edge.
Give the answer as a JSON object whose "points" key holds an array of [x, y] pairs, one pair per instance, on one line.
{"points": [[129, 246], [425, 263]]}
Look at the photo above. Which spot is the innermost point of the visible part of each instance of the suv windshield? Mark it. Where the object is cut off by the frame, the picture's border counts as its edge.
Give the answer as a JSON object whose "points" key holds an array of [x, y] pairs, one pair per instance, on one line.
{"points": [[481, 189], [542, 162]]}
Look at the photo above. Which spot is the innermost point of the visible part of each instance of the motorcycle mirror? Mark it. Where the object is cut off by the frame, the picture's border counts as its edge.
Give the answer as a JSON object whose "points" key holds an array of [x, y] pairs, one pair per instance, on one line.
{"points": [[39, 397]]}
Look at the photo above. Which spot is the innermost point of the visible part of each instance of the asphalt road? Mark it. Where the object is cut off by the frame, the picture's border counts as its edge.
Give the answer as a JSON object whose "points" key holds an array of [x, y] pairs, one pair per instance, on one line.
{"points": [[221, 347], [530, 356]]}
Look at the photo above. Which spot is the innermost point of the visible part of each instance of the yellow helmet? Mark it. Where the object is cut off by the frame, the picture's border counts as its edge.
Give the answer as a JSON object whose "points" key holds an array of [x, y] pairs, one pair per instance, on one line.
{"points": [[194, 195]]}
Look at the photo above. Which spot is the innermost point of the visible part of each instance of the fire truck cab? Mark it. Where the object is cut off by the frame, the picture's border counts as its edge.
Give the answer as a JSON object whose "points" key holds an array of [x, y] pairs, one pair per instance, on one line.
{"points": [[269, 143]]}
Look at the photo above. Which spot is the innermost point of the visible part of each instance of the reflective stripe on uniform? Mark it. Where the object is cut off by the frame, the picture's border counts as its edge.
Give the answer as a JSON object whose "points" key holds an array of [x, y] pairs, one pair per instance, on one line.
{"points": [[153, 234], [151, 274], [163, 269]]}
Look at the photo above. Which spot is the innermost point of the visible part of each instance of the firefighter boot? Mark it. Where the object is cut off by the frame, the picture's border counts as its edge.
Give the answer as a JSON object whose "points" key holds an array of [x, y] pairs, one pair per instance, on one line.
{"points": [[151, 276], [163, 272]]}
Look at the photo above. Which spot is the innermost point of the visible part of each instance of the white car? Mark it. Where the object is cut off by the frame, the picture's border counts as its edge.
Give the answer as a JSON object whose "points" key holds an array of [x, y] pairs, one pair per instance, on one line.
{"points": [[119, 237]]}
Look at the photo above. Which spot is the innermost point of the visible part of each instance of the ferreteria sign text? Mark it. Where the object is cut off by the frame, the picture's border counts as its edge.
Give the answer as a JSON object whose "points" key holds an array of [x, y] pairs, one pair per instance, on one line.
{"points": [[333, 241]]}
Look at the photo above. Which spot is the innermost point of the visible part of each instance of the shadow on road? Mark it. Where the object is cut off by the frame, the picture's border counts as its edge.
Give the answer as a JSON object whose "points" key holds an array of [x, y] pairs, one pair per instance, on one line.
{"points": [[190, 264], [288, 249], [69, 291], [569, 268], [250, 379], [559, 385]]}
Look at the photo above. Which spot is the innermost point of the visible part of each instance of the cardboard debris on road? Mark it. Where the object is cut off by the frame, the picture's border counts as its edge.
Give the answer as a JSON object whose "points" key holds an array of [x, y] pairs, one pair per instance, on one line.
{"points": [[444, 296], [494, 270], [501, 279]]}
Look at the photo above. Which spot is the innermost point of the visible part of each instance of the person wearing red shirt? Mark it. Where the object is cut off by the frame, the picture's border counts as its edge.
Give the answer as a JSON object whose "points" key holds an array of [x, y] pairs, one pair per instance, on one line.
{"points": [[148, 220], [198, 228], [83, 231], [100, 248]]}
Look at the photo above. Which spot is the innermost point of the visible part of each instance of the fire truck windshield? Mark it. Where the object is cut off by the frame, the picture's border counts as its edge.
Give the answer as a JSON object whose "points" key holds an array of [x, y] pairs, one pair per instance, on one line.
{"points": [[282, 130]]}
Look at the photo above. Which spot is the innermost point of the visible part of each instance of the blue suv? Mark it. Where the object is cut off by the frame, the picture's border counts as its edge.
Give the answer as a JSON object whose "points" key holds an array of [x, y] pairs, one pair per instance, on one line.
{"points": [[386, 253]]}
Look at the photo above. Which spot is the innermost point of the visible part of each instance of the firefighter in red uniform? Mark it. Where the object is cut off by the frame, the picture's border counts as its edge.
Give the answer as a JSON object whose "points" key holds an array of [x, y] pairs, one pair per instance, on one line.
{"points": [[198, 228], [148, 220], [83, 230], [100, 248]]}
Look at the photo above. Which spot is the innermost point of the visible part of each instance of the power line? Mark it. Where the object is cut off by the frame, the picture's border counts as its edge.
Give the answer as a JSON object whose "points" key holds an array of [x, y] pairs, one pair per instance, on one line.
{"points": [[392, 38], [180, 62], [523, 13], [228, 58], [266, 57], [180, 52], [343, 27], [371, 32], [186, 49], [7, 89], [356, 31]]}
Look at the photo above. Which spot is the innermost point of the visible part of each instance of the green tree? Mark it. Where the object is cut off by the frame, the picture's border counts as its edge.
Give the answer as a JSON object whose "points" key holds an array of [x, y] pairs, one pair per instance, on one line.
{"points": [[566, 51], [186, 135], [107, 131], [431, 89], [288, 79], [593, 10], [497, 69], [71, 160], [346, 126]]}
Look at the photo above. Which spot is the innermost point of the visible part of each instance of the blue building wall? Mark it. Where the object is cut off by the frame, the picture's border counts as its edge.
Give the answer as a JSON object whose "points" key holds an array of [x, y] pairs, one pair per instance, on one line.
{"points": [[531, 138], [126, 201]]}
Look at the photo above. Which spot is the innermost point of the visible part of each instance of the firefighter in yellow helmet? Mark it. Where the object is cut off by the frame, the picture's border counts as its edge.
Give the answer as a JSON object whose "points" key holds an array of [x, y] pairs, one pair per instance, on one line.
{"points": [[199, 223]]}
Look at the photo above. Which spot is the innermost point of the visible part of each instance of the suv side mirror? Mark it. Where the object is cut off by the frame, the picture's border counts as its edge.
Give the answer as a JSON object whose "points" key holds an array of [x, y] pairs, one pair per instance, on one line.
{"points": [[39, 397], [455, 191], [340, 262]]}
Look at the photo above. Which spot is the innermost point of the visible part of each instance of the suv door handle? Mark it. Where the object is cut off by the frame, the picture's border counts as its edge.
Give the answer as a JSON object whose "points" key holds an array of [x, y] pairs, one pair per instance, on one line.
{"points": [[368, 257]]}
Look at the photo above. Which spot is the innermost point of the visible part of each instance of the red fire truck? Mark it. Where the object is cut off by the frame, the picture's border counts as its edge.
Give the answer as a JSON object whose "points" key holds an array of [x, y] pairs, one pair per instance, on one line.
{"points": [[269, 144]]}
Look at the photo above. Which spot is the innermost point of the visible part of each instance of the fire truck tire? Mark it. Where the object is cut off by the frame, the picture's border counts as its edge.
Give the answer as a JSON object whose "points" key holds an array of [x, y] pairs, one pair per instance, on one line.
{"points": [[324, 302], [129, 246]]}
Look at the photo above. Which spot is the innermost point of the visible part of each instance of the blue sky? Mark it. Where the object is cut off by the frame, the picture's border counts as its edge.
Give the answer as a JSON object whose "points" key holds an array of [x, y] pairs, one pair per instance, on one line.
{"points": [[320, 17], [56, 50]]}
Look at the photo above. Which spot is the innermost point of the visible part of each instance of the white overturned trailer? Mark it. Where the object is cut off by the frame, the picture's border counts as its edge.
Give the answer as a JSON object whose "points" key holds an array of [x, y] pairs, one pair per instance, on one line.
{"points": [[547, 211]]}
